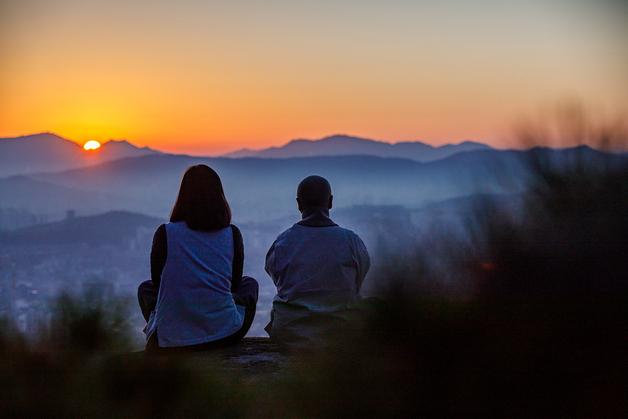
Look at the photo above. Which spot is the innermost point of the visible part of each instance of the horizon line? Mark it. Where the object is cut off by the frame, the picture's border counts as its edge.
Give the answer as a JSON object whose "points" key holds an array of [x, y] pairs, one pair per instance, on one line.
{"points": [[249, 149]]}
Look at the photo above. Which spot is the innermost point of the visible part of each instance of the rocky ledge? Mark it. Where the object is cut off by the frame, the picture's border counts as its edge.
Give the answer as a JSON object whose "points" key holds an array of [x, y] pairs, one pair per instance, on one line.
{"points": [[251, 355]]}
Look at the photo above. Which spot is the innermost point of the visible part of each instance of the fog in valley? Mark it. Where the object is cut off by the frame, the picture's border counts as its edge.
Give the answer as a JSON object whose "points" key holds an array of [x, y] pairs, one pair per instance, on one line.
{"points": [[90, 228]]}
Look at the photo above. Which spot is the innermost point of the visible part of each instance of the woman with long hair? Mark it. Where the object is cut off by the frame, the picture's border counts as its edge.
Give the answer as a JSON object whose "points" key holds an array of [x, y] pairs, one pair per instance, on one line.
{"points": [[197, 297]]}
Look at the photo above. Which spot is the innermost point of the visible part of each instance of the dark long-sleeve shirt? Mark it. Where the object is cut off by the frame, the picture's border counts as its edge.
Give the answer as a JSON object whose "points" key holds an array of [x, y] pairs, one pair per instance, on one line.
{"points": [[159, 254]]}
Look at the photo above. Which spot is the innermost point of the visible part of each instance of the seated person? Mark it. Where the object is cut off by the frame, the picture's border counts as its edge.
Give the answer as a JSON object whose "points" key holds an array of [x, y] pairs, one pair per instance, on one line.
{"points": [[197, 297], [318, 269]]}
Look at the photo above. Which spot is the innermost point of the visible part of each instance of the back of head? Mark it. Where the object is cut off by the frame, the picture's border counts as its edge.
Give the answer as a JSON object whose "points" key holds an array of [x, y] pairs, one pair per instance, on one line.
{"points": [[201, 202], [314, 192]]}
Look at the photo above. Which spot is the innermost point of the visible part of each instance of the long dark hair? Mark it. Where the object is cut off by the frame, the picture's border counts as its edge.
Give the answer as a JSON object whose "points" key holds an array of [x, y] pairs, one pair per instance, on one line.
{"points": [[201, 202]]}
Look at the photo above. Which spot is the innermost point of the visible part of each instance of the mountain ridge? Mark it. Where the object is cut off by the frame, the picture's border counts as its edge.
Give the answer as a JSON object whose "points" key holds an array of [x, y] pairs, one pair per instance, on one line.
{"points": [[49, 152], [343, 145], [262, 188], [120, 226]]}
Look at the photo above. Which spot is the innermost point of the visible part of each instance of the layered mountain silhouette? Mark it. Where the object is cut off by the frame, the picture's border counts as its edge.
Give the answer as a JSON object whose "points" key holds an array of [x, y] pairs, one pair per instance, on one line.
{"points": [[42, 197], [56, 175], [47, 152], [344, 145], [260, 189], [110, 228]]}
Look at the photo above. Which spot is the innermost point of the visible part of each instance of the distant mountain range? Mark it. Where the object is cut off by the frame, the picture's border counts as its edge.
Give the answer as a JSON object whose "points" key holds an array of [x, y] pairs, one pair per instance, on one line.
{"points": [[47, 152], [110, 228], [57, 176], [344, 145], [260, 189]]}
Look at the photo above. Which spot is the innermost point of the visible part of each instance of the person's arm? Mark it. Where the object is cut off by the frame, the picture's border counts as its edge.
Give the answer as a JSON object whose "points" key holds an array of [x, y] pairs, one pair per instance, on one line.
{"points": [[363, 261], [238, 258], [270, 262], [158, 255]]}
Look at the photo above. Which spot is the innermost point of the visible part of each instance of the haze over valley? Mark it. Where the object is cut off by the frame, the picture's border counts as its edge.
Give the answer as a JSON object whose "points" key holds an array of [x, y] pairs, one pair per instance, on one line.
{"points": [[72, 219]]}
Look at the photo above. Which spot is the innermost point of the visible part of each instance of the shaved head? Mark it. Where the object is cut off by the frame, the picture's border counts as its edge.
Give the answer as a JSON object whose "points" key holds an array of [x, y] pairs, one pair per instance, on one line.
{"points": [[314, 191]]}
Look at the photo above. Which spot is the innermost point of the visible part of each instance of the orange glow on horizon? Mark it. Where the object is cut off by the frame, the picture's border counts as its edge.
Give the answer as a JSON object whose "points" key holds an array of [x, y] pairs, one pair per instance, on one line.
{"points": [[203, 78]]}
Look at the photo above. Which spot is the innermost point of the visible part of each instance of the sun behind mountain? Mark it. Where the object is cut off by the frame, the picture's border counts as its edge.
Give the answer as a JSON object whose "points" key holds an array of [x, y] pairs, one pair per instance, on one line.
{"points": [[91, 145]]}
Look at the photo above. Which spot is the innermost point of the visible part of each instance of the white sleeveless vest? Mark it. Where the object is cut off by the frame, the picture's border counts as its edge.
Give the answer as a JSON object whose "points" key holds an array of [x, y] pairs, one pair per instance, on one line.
{"points": [[195, 304]]}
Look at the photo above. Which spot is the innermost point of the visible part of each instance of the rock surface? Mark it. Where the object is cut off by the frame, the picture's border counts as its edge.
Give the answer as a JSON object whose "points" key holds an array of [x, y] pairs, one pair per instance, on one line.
{"points": [[250, 356], [253, 360]]}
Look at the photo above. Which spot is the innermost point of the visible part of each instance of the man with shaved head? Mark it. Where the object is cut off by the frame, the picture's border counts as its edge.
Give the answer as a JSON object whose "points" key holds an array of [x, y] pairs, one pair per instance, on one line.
{"points": [[318, 269]]}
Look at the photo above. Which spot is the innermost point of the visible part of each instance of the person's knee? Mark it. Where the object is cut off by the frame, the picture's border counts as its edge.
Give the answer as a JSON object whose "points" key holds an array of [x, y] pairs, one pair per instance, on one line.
{"points": [[144, 287], [141, 290], [251, 285], [146, 292]]}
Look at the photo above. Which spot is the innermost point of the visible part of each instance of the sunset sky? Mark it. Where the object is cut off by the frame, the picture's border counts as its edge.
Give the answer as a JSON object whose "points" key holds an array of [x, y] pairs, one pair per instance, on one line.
{"points": [[208, 77]]}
